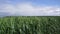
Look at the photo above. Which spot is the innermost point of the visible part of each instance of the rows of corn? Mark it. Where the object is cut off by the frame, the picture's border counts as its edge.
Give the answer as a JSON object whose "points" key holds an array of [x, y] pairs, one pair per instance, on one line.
{"points": [[29, 25]]}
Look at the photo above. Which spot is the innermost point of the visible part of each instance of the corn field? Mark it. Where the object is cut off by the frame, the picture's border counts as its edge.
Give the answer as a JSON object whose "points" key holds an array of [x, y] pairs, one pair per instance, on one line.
{"points": [[30, 25]]}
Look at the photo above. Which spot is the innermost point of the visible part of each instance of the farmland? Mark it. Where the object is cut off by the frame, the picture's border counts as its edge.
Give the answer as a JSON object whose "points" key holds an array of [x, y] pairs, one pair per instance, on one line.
{"points": [[30, 25]]}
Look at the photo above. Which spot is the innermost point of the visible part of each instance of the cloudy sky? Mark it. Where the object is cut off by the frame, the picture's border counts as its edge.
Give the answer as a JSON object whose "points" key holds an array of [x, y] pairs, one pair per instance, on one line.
{"points": [[29, 7]]}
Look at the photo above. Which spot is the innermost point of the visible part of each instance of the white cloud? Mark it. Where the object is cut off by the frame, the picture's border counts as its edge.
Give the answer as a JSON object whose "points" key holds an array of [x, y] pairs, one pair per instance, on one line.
{"points": [[6, 8], [27, 9]]}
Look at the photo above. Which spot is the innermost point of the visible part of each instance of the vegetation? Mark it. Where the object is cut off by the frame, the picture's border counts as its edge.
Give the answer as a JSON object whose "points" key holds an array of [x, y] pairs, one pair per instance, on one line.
{"points": [[30, 25]]}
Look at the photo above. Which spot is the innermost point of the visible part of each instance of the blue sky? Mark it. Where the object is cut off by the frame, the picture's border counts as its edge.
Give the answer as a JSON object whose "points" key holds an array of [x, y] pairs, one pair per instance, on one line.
{"points": [[30, 7], [39, 2]]}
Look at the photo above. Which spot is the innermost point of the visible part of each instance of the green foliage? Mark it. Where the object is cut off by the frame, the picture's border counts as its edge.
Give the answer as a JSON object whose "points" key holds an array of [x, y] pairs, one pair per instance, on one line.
{"points": [[29, 25]]}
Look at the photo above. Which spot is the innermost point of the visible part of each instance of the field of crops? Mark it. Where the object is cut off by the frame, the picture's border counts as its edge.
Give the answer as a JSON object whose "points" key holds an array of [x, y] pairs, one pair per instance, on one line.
{"points": [[29, 25]]}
